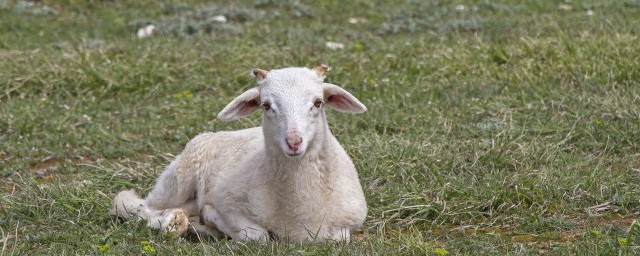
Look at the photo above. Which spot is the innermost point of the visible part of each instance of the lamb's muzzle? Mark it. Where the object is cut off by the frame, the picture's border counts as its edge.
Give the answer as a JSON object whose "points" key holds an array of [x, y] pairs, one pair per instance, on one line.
{"points": [[293, 141]]}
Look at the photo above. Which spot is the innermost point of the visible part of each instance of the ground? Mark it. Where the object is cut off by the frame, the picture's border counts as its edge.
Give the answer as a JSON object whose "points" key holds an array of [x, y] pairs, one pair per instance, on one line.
{"points": [[494, 127]]}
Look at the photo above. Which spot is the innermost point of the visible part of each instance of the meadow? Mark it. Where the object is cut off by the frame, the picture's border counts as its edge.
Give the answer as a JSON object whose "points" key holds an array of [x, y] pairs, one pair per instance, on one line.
{"points": [[493, 127]]}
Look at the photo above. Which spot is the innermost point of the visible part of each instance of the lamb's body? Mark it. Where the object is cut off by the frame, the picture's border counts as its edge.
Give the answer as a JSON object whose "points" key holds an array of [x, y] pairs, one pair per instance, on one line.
{"points": [[241, 183]]}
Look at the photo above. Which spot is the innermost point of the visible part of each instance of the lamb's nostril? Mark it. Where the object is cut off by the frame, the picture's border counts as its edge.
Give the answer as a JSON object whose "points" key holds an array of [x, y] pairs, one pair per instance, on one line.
{"points": [[293, 142]]}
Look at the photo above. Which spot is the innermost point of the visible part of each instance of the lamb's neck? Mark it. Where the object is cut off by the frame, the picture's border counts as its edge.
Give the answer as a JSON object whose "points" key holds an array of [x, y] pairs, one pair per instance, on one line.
{"points": [[288, 169], [299, 184], [300, 178]]}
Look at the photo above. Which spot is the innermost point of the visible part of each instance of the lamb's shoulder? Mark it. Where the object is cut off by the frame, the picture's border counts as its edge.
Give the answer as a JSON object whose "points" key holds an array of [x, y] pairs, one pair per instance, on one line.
{"points": [[209, 154], [243, 186]]}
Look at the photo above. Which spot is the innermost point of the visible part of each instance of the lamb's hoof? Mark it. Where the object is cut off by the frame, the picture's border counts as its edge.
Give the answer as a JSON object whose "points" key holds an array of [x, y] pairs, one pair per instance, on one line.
{"points": [[202, 229], [175, 221]]}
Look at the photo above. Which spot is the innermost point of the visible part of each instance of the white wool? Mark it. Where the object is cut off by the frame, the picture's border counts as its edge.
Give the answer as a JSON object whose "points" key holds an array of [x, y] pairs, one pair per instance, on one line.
{"points": [[290, 177]]}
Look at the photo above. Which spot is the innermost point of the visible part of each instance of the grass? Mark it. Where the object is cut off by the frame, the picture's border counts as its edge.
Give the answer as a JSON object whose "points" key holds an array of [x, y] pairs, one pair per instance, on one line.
{"points": [[506, 127]]}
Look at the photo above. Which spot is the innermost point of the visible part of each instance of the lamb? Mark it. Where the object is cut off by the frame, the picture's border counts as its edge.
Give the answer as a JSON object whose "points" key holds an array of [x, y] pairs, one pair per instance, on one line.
{"points": [[289, 178]]}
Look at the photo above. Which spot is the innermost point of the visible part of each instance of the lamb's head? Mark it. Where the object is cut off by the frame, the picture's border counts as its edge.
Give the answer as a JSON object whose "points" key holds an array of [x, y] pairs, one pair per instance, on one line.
{"points": [[293, 101]]}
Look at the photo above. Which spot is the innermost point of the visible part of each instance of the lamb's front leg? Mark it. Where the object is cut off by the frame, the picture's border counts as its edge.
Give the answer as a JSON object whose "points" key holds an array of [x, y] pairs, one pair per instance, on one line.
{"points": [[340, 234], [174, 220], [234, 224]]}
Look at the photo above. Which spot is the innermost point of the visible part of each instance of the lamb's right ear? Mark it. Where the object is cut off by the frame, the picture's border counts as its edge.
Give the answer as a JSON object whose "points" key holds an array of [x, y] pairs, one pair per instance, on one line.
{"points": [[241, 106]]}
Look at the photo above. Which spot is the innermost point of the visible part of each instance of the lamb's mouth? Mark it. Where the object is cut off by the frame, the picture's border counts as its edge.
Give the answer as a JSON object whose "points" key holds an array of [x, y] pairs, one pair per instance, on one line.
{"points": [[294, 154]]}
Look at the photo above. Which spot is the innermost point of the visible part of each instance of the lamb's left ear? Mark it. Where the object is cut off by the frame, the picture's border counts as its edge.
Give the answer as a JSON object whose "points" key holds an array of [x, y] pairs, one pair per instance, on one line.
{"points": [[341, 100], [241, 106]]}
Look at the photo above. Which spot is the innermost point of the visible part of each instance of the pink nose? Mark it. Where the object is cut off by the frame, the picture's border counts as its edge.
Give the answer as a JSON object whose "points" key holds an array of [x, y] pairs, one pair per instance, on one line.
{"points": [[293, 141]]}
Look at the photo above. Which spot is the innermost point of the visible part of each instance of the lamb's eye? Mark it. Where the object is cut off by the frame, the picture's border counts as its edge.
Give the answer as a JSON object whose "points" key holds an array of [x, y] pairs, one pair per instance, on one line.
{"points": [[266, 106], [318, 103]]}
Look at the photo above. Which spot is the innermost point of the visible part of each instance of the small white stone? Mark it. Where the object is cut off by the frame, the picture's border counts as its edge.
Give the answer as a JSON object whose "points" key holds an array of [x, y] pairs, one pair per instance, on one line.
{"points": [[460, 7], [357, 20], [146, 31], [334, 45], [589, 13], [219, 18]]}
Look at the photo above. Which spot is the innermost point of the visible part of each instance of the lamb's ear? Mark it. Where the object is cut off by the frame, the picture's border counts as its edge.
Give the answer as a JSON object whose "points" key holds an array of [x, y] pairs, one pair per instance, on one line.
{"points": [[241, 106], [341, 100]]}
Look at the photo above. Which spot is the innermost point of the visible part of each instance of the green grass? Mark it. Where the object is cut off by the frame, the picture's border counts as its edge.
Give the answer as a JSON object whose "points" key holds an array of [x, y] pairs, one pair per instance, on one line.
{"points": [[509, 127]]}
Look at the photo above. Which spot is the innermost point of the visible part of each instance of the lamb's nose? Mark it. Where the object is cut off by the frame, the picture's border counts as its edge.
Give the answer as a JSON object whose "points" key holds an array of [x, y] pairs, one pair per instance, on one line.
{"points": [[294, 141]]}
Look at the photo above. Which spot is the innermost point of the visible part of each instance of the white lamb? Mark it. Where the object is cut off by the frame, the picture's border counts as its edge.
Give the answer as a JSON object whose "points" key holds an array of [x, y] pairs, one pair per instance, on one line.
{"points": [[290, 178]]}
